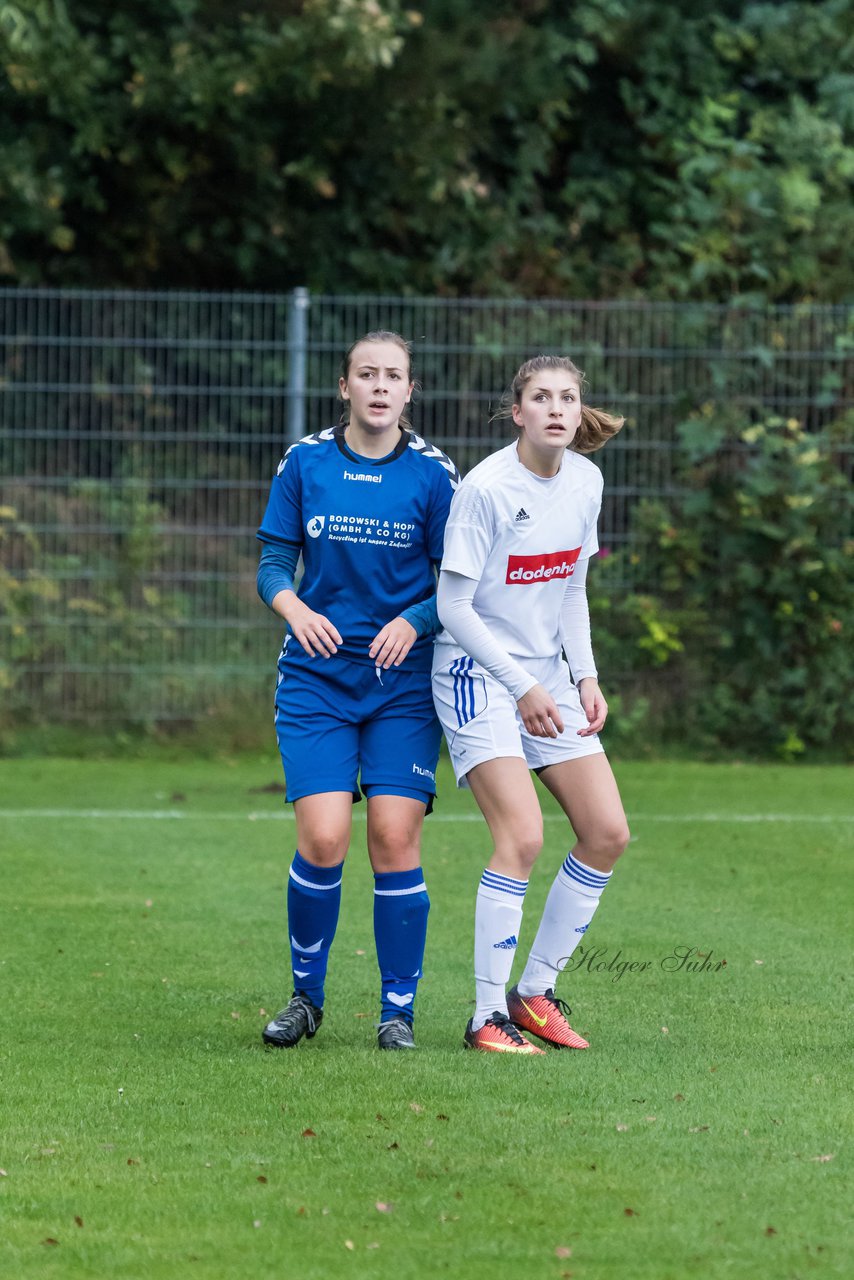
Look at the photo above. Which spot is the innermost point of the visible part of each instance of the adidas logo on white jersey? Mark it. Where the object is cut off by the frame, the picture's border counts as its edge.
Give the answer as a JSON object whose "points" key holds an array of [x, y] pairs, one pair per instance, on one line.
{"points": [[509, 944], [522, 514]]}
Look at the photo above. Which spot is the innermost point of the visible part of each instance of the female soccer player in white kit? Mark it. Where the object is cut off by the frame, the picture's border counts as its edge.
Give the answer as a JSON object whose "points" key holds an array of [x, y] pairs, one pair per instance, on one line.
{"points": [[512, 600]]}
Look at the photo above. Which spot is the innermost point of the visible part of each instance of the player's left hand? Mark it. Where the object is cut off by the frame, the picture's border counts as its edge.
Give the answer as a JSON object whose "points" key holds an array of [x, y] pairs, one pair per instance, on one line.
{"points": [[594, 704], [391, 645]]}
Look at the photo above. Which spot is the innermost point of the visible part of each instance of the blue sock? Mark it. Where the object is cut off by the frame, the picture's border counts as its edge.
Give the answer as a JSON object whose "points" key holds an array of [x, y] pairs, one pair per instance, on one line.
{"points": [[400, 929], [314, 898]]}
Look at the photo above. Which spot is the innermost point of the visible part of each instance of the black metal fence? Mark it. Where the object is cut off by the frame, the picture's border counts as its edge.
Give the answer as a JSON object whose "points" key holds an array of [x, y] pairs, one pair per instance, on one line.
{"points": [[139, 432]]}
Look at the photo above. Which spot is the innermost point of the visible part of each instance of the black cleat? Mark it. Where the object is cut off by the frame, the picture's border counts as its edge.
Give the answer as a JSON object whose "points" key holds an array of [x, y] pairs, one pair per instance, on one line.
{"points": [[299, 1018], [395, 1034]]}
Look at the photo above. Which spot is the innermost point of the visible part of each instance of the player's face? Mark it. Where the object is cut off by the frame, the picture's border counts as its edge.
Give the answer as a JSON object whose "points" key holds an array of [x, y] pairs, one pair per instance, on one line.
{"points": [[548, 416], [377, 386]]}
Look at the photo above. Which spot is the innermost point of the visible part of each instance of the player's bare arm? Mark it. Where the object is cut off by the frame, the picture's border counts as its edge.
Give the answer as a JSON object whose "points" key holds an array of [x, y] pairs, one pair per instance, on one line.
{"points": [[317, 635], [594, 704], [539, 713], [391, 645]]}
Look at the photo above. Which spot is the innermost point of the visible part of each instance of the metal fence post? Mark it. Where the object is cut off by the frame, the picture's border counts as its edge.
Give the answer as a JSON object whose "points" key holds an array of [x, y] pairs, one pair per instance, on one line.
{"points": [[299, 302]]}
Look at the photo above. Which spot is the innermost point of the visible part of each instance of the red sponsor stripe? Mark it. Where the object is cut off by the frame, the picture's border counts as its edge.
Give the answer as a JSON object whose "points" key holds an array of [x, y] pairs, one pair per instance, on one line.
{"points": [[541, 568]]}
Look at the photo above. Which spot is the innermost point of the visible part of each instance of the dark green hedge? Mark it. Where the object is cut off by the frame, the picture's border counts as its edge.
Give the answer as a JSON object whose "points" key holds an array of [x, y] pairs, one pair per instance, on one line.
{"points": [[739, 630], [604, 148]]}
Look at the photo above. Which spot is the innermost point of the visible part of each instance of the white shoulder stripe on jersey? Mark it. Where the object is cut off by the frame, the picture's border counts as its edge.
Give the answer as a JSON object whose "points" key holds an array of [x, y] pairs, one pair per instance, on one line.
{"points": [[420, 445], [317, 437]]}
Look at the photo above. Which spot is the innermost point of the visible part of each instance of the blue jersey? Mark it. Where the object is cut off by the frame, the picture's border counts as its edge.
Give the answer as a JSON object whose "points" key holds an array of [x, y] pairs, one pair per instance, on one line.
{"points": [[370, 531]]}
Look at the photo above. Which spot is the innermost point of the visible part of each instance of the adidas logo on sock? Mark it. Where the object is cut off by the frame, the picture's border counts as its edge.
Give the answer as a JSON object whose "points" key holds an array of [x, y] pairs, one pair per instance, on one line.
{"points": [[522, 514], [509, 944]]}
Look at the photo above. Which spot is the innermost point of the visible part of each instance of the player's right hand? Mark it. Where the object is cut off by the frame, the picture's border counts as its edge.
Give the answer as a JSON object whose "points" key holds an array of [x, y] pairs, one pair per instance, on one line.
{"points": [[317, 635], [539, 713]]}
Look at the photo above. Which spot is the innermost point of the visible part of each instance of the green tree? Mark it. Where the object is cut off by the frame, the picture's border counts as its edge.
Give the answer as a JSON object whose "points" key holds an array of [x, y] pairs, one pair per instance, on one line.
{"points": [[738, 629], [616, 148], [171, 141]]}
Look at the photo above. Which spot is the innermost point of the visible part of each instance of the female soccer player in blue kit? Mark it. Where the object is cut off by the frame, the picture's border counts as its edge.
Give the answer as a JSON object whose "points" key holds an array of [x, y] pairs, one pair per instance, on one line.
{"points": [[365, 503]]}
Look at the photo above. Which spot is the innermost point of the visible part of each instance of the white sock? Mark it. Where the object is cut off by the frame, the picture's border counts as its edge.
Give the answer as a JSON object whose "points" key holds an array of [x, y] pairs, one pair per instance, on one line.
{"points": [[497, 920], [570, 906]]}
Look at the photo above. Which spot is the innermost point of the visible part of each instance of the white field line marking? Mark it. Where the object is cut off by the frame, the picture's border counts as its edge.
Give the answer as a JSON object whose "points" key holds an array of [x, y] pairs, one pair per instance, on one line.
{"points": [[179, 815]]}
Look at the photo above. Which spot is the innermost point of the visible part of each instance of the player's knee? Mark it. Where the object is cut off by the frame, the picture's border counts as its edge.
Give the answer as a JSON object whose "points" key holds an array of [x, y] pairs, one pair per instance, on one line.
{"points": [[323, 848], [609, 843], [530, 848], [394, 850], [523, 850]]}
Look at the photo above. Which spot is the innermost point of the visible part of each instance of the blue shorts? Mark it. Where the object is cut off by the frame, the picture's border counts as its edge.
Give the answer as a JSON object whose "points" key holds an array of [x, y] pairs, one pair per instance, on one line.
{"points": [[339, 721]]}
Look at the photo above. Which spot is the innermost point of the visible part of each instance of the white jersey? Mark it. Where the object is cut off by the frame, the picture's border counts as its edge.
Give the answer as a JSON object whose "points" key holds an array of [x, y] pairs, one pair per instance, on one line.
{"points": [[519, 537]]}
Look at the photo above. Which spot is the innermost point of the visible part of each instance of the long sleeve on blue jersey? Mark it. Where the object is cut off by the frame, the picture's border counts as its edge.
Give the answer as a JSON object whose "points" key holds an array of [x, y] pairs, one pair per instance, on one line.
{"points": [[575, 625], [459, 617], [424, 617], [276, 570]]}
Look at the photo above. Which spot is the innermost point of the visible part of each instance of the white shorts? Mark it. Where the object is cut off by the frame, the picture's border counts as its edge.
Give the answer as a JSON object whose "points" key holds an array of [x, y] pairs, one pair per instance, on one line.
{"points": [[481, 720]]}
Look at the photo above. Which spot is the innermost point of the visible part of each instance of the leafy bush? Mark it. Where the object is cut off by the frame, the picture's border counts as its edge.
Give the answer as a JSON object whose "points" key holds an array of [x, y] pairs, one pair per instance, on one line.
{"points": [[80, 625], [21, 599], [454, 147], [739, 627]]}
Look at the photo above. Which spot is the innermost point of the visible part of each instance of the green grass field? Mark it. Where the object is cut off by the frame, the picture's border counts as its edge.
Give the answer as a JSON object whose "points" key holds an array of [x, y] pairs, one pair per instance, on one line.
{"points": [[146, 1132]]}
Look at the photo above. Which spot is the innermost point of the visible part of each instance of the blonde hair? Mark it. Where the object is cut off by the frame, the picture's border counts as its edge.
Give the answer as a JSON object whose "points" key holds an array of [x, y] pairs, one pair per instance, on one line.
{"points": [[596, 427], [377, 335]]}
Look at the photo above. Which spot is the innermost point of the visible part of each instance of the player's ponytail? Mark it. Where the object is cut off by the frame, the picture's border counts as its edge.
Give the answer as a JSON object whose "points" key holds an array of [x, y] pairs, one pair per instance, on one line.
{"points": [[596, 428]]}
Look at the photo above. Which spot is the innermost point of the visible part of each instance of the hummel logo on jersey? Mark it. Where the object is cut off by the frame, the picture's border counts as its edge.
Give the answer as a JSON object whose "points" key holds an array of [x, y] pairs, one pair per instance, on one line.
{"points": [[522, 514], [557, 564], [352, 475], [509, 944]]}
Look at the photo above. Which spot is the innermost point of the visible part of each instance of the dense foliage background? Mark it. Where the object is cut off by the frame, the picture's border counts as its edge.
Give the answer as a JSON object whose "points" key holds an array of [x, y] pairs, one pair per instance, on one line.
{"points": [[737, 630], [601, 148]]}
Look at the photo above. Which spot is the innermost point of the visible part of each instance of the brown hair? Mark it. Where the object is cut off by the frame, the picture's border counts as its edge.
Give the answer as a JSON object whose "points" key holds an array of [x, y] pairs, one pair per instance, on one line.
{"points": [[377, 335], [596, 427]]}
